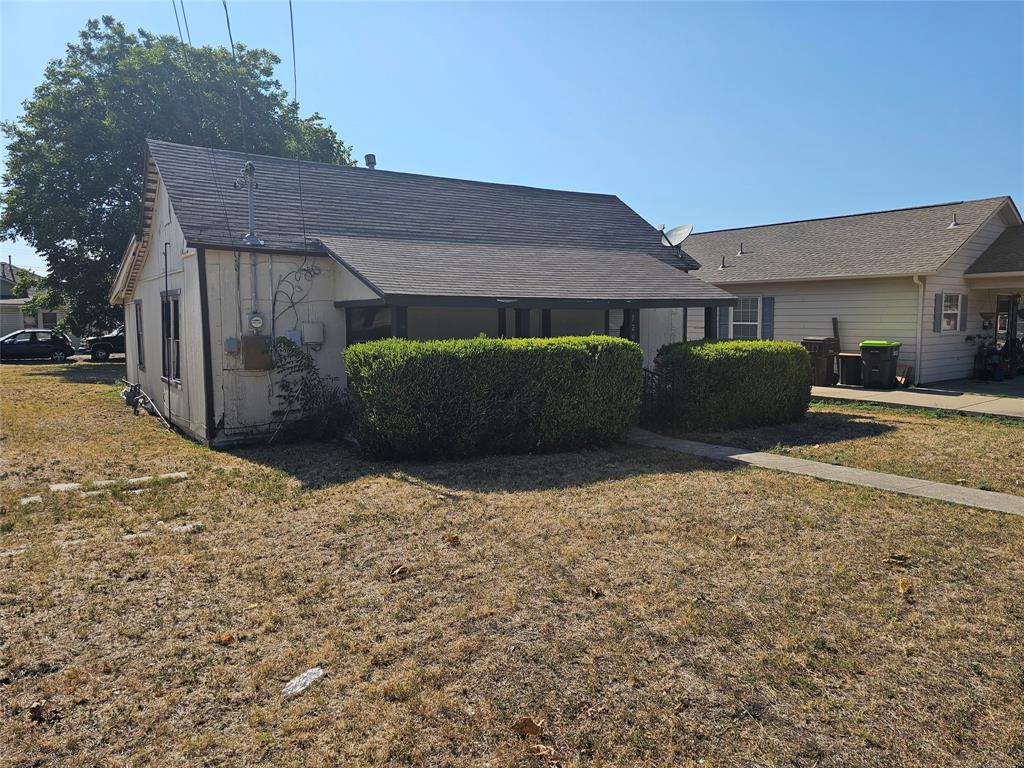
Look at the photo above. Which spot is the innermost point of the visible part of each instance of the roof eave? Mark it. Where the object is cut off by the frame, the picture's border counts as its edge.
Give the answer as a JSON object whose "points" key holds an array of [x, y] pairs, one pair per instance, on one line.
{"points": [[817, 278]]}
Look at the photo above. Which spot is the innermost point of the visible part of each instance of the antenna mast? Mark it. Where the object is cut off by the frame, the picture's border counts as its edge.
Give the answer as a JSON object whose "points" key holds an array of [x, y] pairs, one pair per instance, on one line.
{"points": [[247, 181]]}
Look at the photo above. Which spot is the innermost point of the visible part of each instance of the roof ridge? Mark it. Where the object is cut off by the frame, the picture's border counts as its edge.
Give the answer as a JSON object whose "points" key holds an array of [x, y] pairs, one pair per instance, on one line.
{"points": [[388, 172], [853, 215]]}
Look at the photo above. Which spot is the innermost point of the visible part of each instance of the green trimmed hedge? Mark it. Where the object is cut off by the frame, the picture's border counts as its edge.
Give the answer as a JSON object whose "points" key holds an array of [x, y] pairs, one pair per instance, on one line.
{"points": [[484, 396], [708, 385]]}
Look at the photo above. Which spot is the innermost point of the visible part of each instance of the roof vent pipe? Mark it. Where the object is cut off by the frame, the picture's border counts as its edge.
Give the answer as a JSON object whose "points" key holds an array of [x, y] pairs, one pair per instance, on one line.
{"points": [[740, 252], [371, 161], [722, 265], [955, 223]]}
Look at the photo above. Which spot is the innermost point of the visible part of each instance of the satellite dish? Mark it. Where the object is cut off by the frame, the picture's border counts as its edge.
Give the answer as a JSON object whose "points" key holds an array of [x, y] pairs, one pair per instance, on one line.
{"points": [[676, 235]]}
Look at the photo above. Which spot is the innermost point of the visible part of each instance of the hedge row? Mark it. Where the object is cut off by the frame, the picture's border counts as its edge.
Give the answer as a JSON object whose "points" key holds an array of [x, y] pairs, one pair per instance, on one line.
{"points": [[483, 396], [732, 384]]}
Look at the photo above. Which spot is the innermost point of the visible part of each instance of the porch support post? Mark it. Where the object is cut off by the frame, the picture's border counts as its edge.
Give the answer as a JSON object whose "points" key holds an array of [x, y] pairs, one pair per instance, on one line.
{"points": [[545, 323], [401, 321], [502, 323], [522, 323], [710, 322], [686, 322]]}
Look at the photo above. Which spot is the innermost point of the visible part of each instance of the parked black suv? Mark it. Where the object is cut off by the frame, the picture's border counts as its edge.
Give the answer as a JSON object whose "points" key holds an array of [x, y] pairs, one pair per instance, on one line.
{"points": [[36, 344], [102, 347]]}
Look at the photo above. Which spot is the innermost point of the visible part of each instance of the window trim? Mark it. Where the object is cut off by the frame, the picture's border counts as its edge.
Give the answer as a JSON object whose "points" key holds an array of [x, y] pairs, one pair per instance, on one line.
{"points": [[170, 363], [760, 315], [959, 313], [140, 347]]}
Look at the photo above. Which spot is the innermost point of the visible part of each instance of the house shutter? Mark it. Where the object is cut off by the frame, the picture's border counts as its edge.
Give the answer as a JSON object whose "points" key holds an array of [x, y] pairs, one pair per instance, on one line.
{"points": [[963, 312], [723, 322], [767, 317], [937, 319]]}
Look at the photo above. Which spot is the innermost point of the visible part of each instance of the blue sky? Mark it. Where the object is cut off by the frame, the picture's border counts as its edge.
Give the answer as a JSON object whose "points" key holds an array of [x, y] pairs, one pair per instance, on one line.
{"points": [[719, 115]]}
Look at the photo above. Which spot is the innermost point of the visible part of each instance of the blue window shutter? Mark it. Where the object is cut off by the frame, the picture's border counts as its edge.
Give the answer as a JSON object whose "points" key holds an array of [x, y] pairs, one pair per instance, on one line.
{"points": [[723, 322], [937, 320], [963, 312], [767, 317]]}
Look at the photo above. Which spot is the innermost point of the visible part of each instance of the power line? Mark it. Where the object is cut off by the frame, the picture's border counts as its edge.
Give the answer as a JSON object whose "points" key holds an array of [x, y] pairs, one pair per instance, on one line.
{"points": [[298, 127], [203, 123], [184, 17], [177, 21], [238, 84]]}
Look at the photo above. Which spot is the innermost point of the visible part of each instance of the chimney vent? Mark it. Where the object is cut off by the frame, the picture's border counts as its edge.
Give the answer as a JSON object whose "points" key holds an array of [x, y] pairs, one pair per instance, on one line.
{"points": [[371, 161]]}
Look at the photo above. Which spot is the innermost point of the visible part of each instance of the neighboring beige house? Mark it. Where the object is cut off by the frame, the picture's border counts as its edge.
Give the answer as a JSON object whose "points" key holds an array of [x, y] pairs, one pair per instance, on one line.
{"points": [[13, 316], [363, 254], [927, 277]]}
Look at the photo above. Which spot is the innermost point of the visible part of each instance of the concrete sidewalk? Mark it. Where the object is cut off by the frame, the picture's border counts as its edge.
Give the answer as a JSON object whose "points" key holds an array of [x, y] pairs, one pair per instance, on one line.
{"points": [[952, 399], [955, 494]]}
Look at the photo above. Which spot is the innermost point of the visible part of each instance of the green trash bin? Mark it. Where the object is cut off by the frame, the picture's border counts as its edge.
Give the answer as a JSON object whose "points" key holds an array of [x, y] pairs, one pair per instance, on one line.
{"points": [[878, 360]]}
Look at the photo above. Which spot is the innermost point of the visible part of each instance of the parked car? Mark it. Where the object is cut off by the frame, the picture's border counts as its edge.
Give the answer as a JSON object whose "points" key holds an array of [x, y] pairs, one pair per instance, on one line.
{"points": [[36, 344], [102, 347]]}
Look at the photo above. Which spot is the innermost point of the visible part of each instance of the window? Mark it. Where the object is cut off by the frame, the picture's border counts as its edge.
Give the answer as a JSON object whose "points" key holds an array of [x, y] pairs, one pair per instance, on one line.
{"points": [[49, 319], [140, 349], [951, 311], [368, 324], [22, 338], [29, 321], [171, 337], [44, 336], [746, 318]]}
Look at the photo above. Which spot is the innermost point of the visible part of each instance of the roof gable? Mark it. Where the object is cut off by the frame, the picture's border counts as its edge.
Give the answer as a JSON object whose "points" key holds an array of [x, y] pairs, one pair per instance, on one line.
{"points": [[885, 243], [1006, 254]]}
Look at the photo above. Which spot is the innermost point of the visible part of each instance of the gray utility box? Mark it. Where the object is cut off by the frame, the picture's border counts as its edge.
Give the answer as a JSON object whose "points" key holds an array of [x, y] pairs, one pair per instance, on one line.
{"points": [[256, 353]]}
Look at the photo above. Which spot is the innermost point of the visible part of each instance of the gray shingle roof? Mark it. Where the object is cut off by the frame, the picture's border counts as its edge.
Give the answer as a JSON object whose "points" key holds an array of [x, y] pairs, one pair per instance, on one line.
{"points": [[1006, 254], [412, 234], [901, 242], [484, 270]]}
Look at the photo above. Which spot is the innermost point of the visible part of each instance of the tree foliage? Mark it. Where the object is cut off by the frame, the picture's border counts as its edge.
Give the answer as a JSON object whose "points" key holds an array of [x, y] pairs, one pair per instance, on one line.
{"points": [[75, 157]]}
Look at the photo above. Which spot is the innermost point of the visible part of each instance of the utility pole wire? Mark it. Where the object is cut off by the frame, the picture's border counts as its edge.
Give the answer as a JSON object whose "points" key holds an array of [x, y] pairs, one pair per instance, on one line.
{"points": [[238, 84], [298, 126], [203, 125], [184, 17]]}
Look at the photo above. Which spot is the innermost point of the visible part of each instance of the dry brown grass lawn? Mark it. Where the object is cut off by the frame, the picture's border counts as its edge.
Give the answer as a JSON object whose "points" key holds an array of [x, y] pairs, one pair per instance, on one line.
{"points": [[649, 609], [974, 451]]}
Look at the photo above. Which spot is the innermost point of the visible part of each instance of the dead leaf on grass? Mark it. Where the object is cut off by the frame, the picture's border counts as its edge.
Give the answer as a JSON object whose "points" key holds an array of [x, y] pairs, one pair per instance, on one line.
{"points": [[398, 573], [453, 540], [738, 541], [542, 750], [527, 726], [595, 592], [904, 586], [224, 639]]}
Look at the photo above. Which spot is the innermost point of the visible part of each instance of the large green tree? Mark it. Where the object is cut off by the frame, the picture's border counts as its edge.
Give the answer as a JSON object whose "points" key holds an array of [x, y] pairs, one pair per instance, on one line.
{"points": [[75, 157]]}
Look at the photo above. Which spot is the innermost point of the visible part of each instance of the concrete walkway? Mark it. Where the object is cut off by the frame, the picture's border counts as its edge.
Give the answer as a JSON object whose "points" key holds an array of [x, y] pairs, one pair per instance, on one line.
{"points": [[955, 494], [954, 396]]}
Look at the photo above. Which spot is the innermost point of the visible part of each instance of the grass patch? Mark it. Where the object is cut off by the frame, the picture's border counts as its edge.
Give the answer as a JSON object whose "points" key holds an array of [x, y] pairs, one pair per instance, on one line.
{"points": [[639, 607]]}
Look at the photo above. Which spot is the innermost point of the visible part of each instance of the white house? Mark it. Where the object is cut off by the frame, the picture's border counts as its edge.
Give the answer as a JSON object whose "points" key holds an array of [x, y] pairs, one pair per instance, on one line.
{"points": [[330, 255], [13, 313], [927, 277]]}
